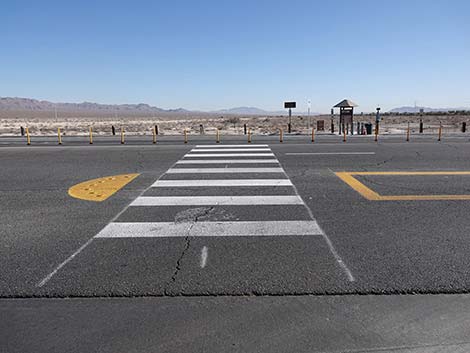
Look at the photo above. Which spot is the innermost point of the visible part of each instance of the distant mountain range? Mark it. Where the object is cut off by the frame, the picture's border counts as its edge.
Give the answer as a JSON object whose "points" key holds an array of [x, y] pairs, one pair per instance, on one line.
{"points": [[34, 105], [19, 104], [407, 109]]}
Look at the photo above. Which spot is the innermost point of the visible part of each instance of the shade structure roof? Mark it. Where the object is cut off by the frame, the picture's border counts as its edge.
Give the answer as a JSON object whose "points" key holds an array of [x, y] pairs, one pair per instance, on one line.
{"points": [[345, 103]]}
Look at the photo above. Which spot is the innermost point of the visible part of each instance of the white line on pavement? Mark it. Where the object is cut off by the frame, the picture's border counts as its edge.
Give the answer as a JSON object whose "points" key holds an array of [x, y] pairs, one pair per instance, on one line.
{"points": [[226, 161], [221, 182], [216, 200], [327, 153], [204, 253], [328, 241], [199, 155], [229, 149], [223, 170], [229, 146], [206, 229]]}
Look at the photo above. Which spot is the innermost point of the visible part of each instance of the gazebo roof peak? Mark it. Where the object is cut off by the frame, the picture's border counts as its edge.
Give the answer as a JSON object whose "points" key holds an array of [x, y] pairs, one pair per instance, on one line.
{"points": [[345, 103]]}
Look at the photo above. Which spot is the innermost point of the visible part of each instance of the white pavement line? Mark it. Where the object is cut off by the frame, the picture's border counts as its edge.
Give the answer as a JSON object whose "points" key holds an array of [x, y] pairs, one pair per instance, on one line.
{"points": [[328, 241], [326, 153], [209, 229], [223, 170], [204, 254], [70, 258], [221, 182], [226, 161], [216, 200], [199, 155], [230, 146], [230, 150]]}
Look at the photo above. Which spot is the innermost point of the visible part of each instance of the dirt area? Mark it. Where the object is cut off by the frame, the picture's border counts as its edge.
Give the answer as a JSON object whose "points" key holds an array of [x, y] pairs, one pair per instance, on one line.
{"points": [[46, 124]]}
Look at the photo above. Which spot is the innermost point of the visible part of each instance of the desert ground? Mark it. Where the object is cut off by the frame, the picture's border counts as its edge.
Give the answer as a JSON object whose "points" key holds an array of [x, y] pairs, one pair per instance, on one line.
{"points": [[45, 123]]}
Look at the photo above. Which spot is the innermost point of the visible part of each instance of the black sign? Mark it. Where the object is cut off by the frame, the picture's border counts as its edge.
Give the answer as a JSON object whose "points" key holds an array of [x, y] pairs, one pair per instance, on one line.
{"points": [[289, 105]]}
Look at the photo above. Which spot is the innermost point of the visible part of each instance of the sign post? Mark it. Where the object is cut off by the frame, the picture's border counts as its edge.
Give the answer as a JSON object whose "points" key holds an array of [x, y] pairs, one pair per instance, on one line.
{"points": [[377, 122], [289, 105]]}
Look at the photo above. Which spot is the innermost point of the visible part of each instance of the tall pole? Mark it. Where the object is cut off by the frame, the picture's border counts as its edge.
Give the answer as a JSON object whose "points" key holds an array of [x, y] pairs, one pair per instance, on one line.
{"points": [[290, 120]]}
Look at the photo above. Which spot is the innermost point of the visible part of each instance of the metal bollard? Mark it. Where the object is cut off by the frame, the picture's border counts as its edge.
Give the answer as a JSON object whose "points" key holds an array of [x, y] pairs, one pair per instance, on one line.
{"points": [[249, 135], [344, 134], [122, 136], [408, 133], [113, 130], [201, 129], [464, 126], [281, 137], [59, 137], [154, 133], [376, 137], [440, 132], [421, 126], [217, 137], [313, 134], [28, 138], [22, 130], [185, 136], [244, 129], [156, 129], [91, 136]]}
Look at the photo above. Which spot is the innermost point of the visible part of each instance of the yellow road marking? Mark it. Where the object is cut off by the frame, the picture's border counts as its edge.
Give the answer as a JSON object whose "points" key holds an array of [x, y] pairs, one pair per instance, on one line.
{"points": [[358, 186], [100, 189], [370, 194]]}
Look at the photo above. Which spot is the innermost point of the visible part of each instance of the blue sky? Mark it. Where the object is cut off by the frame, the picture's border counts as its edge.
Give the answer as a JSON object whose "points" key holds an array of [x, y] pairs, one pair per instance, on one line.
{"points": [[219, 54]]}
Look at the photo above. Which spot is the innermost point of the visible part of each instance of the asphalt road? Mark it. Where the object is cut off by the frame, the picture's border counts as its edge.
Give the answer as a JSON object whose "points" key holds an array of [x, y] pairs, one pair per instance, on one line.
{"points": [[317, 236]]}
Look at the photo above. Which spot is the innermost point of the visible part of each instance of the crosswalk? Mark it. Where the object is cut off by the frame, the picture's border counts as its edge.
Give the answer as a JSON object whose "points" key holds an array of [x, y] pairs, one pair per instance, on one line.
{"points": [[247, 190]]}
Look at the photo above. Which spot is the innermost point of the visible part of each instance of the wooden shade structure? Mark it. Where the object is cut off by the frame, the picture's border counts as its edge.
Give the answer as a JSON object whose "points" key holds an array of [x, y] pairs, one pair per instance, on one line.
{"points": [[346, 113]]}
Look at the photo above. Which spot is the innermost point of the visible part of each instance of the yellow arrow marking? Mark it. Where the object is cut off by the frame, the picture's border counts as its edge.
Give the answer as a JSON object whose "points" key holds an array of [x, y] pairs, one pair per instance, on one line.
{"points": [[100, 189]]}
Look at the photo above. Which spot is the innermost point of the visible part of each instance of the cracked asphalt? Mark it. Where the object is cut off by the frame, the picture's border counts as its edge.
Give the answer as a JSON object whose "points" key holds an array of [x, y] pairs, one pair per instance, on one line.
{"points": [[390, 247]]}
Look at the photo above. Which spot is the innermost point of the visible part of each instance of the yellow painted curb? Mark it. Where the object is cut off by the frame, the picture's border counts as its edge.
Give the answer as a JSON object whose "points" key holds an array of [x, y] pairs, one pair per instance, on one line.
{"points": [[100, 189]]}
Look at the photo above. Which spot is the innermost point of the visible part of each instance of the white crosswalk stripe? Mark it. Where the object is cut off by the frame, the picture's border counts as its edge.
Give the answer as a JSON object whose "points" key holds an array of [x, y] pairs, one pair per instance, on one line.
{"points": [[199, 155], [229, 150], [223, 170], [221, 182], [228, 161], [231, 146], [216, 200], [212, 229]]}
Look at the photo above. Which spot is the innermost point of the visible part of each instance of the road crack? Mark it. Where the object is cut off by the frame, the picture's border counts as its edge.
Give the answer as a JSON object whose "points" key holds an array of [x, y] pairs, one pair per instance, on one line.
{"points": [[196, 215]]}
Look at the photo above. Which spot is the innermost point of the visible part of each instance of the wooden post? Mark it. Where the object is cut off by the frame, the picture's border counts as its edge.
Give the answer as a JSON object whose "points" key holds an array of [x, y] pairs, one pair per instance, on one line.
{"points": [[344, 133], [91, 136], [154, 133], [28, 138], [281, 137], [185, 136], [217, 139], [313, 134], [122, 135], [249, 135], [59, 137]]}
